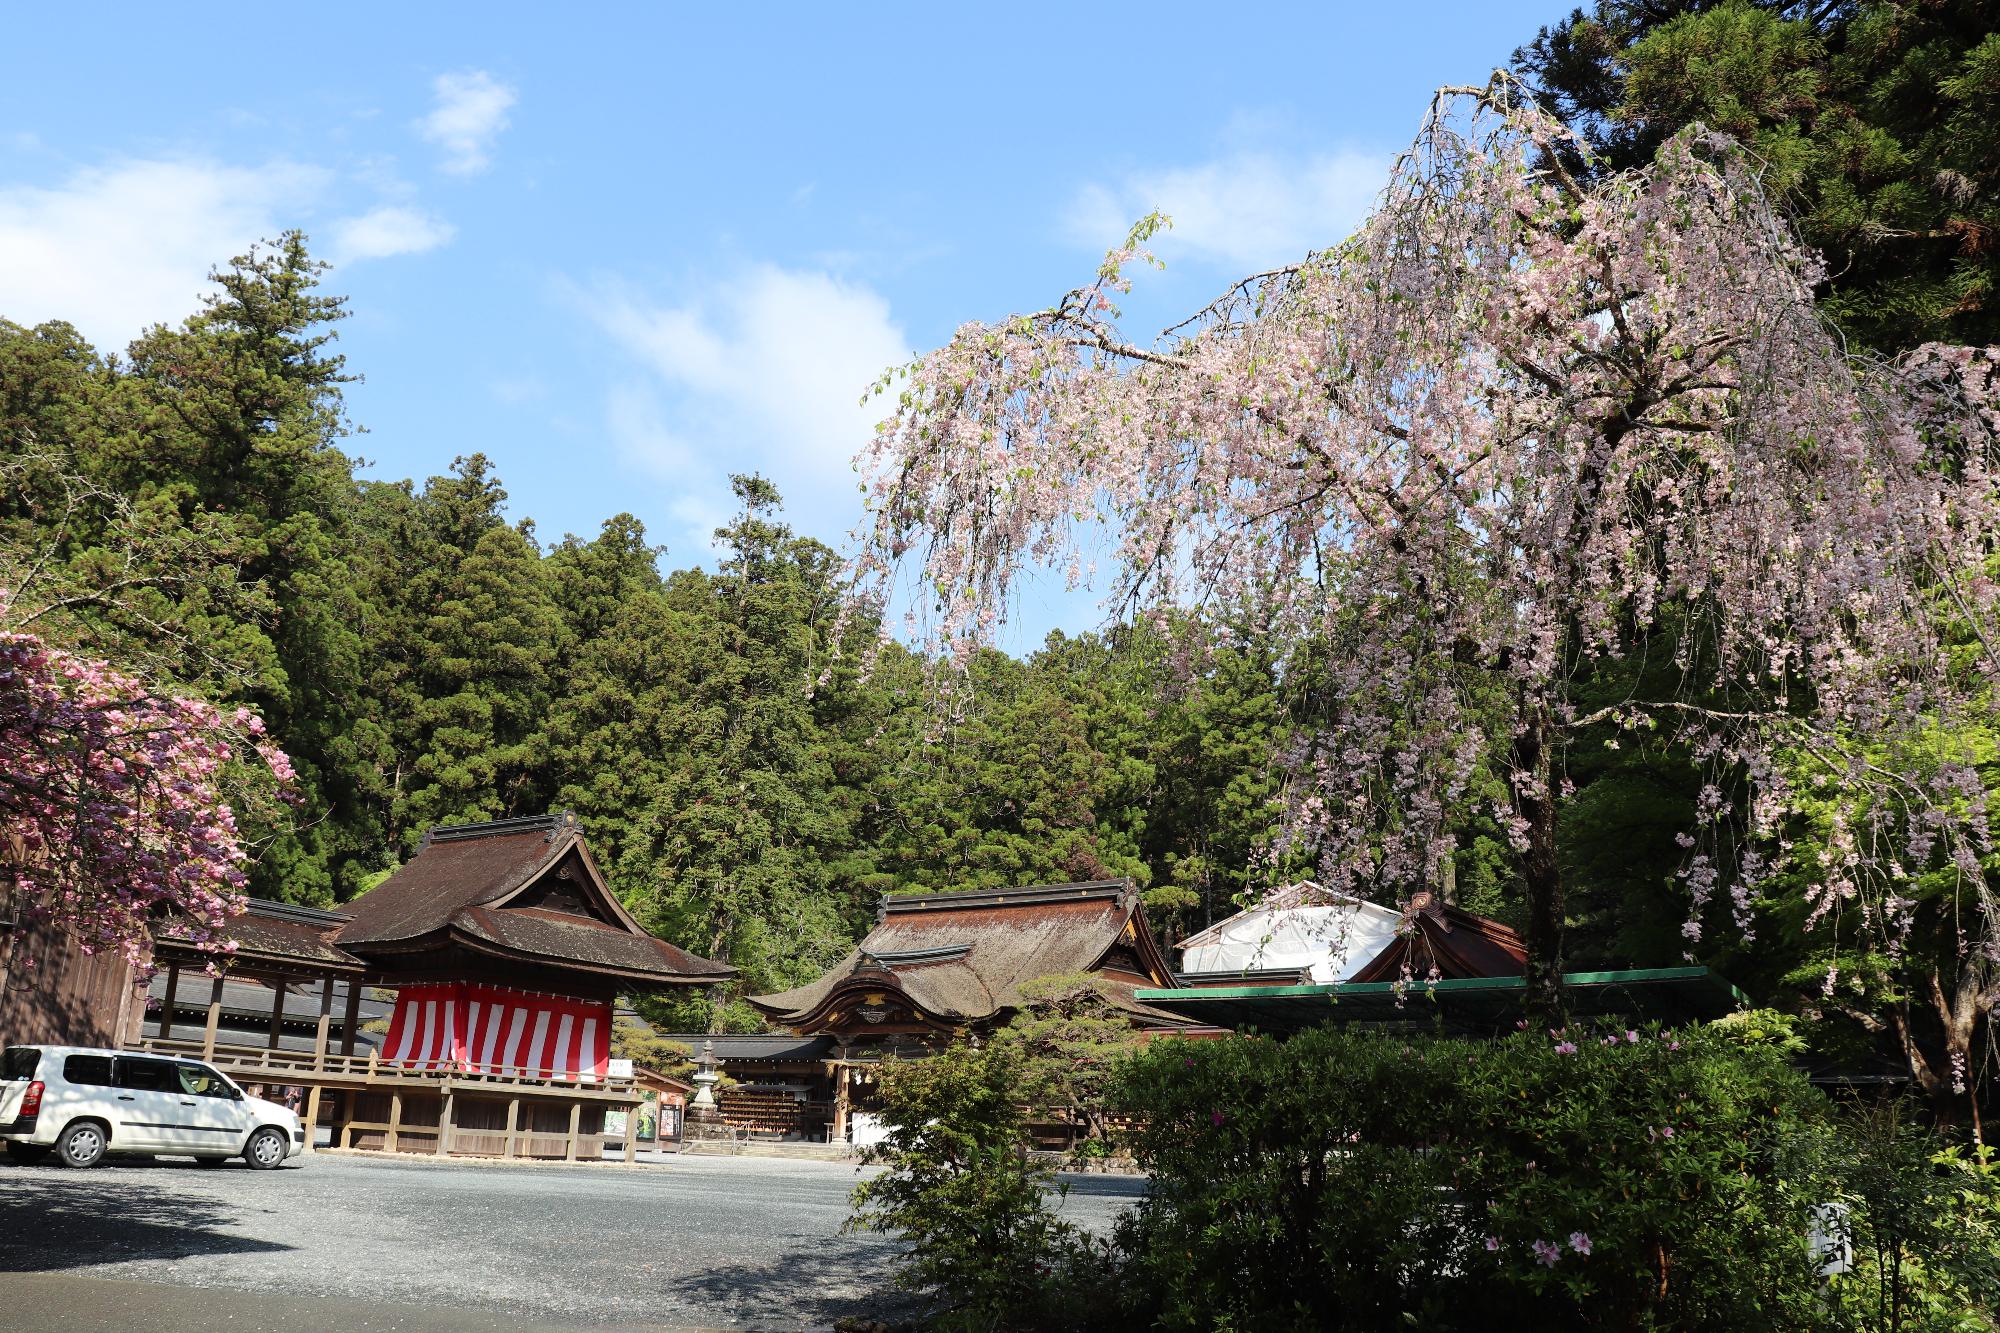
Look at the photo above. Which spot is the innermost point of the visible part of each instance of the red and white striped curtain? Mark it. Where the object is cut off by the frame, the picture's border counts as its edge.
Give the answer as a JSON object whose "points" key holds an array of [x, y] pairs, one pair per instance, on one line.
{"points": [[493, 1030]]}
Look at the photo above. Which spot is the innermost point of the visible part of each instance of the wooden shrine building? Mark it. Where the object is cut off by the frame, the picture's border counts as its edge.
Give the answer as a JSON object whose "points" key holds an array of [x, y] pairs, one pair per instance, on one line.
{"points": [[938, 967], [505, 951]]}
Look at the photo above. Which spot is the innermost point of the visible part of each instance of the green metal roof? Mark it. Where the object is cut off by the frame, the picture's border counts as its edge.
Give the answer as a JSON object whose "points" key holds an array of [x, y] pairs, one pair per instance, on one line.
{"points": [[1462, 1004]]}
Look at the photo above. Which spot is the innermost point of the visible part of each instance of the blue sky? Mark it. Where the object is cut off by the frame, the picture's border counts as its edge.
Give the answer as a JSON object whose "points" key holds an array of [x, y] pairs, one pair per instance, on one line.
{"points": [[627, 252]]}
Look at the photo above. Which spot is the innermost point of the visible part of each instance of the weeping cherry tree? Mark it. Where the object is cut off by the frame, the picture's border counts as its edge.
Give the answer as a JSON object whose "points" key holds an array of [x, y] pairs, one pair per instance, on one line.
{"points": [[1515, 427]]}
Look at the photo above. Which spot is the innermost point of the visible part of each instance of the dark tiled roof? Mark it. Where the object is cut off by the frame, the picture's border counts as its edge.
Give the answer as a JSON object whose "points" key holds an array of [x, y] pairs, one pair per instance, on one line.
{"points": [[452, 871], [963, 956], [741, 1048], [275, 932], [457, 887], [559, 935]]}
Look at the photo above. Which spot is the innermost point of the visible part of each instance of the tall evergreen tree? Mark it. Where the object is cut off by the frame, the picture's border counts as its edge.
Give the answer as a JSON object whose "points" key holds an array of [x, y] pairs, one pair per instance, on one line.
{"points": [[1873, 118]]}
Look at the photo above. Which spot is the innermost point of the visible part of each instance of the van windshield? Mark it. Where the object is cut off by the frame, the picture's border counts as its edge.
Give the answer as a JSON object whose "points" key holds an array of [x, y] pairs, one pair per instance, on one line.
{"points": [[19, 1063]]}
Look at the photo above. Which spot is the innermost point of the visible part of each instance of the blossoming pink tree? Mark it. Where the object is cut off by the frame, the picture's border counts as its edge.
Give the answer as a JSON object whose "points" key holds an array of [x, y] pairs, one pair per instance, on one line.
{"points": [[115, 799], [1511, 428]]}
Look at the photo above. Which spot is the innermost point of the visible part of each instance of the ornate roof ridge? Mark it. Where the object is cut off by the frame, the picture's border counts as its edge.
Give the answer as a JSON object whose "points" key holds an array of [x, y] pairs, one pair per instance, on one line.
{"points": [[552, 823], [1082, 891], [311, 916]]}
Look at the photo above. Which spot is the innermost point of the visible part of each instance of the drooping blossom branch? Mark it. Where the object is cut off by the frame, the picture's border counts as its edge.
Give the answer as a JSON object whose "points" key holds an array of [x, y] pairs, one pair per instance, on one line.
{"points": [[114, 799], [1510, 429]]}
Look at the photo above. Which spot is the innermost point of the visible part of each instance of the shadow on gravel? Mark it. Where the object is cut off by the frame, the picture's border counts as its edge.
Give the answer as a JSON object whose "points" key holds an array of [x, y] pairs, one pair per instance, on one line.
{"points": [[807, 1287], [58, 1219], [1079, 1185]]}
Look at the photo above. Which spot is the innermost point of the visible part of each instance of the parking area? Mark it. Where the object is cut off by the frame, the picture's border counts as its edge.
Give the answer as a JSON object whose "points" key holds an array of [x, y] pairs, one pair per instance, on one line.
{"points": [[699, 1242]]}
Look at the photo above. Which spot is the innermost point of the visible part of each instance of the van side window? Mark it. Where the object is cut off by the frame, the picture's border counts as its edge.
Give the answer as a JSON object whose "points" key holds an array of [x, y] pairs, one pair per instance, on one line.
{"points": [[88, 1071], [201, 1081], [144, 1075]]}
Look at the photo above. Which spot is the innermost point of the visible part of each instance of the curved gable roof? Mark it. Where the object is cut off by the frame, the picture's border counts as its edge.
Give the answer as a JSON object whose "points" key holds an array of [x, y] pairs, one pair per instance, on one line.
{"points": [[457, 867], [458, 887], [962, 957]]}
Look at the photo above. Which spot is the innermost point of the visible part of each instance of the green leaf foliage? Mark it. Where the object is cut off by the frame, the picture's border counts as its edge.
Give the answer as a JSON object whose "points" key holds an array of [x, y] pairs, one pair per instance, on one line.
{"points": [[984, 1245], [1874, 116]]}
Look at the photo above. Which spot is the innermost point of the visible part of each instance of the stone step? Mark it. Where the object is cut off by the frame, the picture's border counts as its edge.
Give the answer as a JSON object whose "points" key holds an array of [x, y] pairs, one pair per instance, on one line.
{"points": [[804, 1152]]}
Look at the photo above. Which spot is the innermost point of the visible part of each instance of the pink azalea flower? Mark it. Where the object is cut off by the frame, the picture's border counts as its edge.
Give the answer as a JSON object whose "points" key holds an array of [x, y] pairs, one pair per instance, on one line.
{"points": [[1566, 1048], [1547, 1252], [1492, 1244], [1632, 1036], [1579, 1242], [1217, 1117]]}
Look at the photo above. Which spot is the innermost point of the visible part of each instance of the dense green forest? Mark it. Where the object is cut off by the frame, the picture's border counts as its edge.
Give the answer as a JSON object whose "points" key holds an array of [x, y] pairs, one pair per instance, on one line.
{"points": [[191, 507], [425, 658]]}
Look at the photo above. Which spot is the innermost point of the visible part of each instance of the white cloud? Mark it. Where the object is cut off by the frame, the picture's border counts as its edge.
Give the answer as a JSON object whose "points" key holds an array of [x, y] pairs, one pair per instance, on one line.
{"points": [[766, 370], [389, 230], [116, 249], [471, 111], [1249, 210]]}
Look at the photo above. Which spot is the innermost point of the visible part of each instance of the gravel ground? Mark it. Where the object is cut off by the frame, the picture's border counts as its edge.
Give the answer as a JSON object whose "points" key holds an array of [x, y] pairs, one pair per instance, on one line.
{"points": [[736, 1242]]}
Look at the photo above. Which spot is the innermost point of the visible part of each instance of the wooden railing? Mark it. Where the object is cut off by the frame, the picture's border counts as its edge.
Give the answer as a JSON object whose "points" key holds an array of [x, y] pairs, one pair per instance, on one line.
{"points": [[756, 1111], [270, 1064]]}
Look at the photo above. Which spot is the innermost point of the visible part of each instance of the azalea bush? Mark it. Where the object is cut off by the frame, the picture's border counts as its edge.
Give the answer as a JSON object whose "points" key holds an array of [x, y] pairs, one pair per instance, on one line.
{"points": [[1576, 1177], [1585, 1176]]}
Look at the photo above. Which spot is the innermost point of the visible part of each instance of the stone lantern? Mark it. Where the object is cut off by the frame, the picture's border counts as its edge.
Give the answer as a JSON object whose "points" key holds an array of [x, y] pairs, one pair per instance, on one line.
{"points": [[704, 1117]]}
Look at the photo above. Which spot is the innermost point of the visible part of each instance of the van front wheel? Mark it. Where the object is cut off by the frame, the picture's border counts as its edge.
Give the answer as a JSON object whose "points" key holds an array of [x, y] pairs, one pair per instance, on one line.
{"points": [[266, 1149]]}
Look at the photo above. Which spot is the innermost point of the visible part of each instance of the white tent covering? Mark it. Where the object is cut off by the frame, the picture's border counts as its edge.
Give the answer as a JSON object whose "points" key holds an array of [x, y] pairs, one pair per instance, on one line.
{"points": [[1301, 927]]}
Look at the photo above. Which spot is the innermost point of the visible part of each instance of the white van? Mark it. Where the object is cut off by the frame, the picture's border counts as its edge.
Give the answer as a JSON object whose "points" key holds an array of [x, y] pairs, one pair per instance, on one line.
{"points": [[82, 1102]]}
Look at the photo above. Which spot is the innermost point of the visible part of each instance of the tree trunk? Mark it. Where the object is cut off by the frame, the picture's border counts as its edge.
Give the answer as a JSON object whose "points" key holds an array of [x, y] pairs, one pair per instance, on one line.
{"points": [[1534, 798]]}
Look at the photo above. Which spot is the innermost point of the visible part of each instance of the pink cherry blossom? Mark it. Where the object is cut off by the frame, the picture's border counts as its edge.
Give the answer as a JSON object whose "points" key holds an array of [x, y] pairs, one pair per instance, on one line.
{"points": [[112, 805]]}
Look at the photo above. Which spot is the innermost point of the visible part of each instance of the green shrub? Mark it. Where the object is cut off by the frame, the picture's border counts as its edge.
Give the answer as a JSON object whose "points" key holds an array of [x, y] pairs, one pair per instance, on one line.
{"points": [[984, 1245], [1924, 1218], [1600, 1179], [1584, 1178]]}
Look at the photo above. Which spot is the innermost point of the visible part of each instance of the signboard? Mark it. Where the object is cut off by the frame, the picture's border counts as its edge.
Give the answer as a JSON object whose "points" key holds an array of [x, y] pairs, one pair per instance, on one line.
{"points": [[618, 1069], [1830, 1237]]}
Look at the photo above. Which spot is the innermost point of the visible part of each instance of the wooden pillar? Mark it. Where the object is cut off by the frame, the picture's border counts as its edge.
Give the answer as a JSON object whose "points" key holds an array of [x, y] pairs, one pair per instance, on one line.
{"points": [[838, 1133], [513, 1119], [348, 1099], [353, 1019], [325, 1019], [277, 1013], [632, 1133], [312, 1117], [395, 1120], [214, 1017], [444, 1124], [575, 1122], [167, 1009]]}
